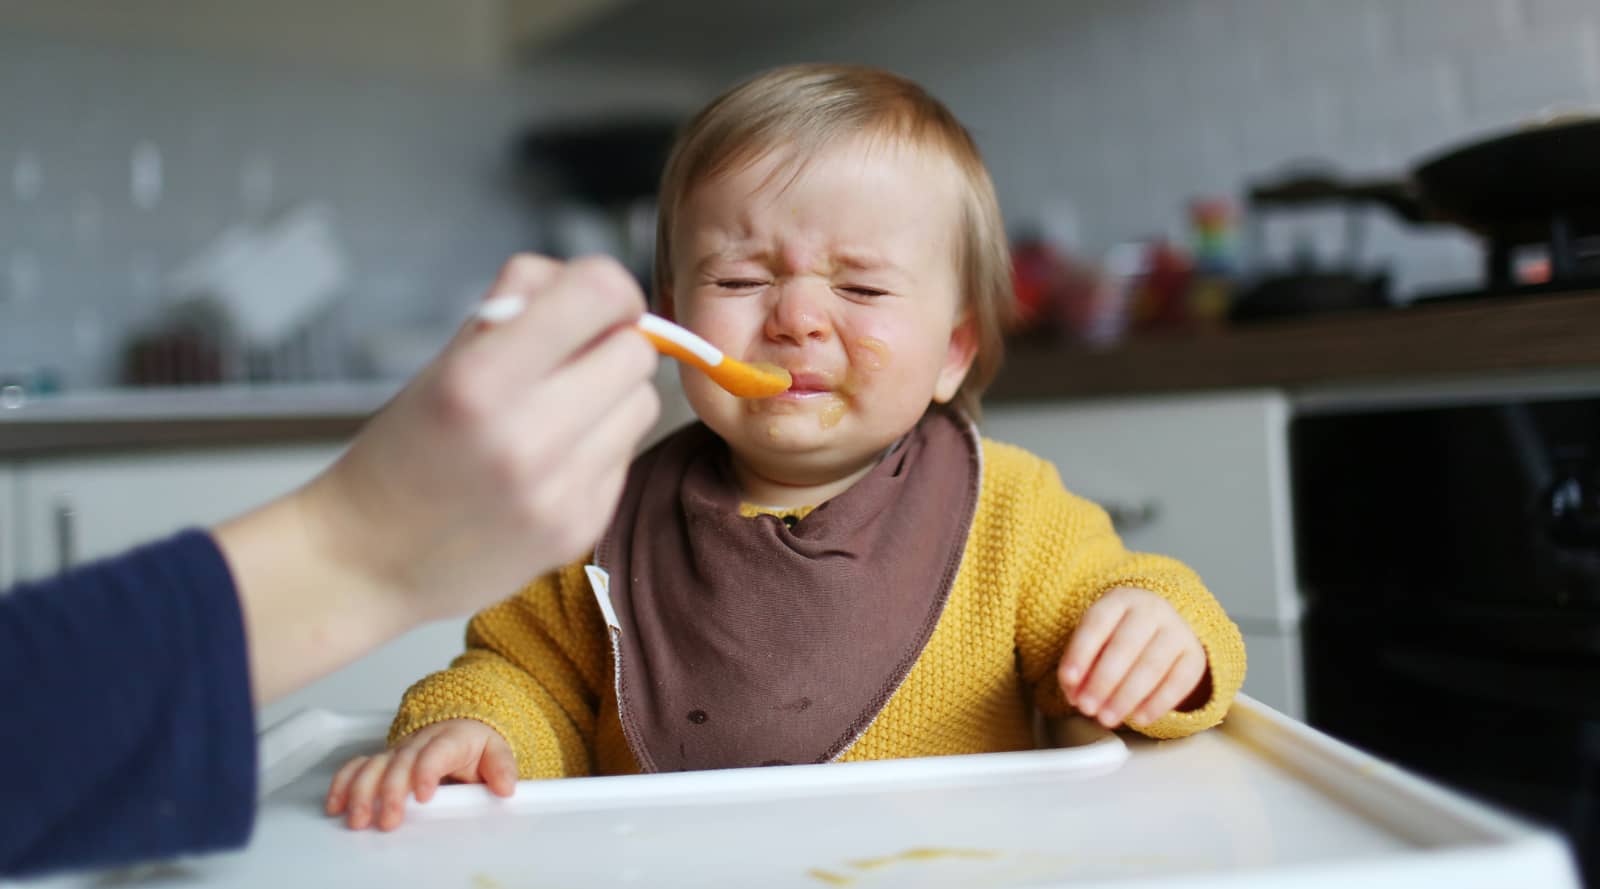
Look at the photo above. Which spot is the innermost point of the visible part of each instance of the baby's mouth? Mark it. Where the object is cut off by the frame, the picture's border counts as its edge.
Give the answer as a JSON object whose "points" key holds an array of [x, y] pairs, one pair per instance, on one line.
{"points": [[808, 383]]}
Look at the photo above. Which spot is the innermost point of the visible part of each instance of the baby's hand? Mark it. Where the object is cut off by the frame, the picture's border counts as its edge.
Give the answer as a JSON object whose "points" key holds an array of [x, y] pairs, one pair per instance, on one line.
{"points": [[1133, 658], [464, 749]]}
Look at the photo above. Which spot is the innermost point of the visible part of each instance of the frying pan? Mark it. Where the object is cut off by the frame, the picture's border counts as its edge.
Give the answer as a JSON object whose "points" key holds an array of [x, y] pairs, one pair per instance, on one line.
{"points": [[1519, 178], [1539, 184]]}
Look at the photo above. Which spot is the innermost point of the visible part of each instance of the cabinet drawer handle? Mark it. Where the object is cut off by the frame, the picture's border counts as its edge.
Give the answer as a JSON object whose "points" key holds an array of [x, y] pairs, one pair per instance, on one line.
{"points": [[1126, 517], [66, 536]]}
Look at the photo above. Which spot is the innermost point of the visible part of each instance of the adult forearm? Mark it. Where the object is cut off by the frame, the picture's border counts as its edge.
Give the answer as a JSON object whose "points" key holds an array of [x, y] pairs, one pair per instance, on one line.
{"points": [[309, 607]]}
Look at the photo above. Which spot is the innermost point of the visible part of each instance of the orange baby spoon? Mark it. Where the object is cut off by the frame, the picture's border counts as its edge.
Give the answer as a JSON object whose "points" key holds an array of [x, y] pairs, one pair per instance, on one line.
{"points": [[739, 378]]}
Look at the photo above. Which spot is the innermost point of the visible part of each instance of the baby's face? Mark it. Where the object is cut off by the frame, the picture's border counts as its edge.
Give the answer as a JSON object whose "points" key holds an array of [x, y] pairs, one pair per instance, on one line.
{"points": [[845, 276]]}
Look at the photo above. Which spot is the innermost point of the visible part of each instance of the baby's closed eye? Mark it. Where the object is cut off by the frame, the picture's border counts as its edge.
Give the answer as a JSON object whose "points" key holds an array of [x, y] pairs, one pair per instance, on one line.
{"points": [[863, 291]]}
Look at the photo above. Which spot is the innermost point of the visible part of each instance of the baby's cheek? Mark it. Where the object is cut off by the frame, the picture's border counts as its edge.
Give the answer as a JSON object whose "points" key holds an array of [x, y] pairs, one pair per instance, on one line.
{"points": [[871, 355], [873, 361], [706, 398]]}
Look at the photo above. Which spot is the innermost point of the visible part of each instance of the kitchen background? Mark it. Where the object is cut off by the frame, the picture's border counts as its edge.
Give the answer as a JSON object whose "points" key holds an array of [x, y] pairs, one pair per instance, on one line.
{"points": [[1399, 508], [135, 134], [378, 142]]}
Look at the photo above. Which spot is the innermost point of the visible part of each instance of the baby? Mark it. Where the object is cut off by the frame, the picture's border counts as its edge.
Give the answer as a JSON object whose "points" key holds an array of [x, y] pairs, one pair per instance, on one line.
{"points": [[843, 572]]}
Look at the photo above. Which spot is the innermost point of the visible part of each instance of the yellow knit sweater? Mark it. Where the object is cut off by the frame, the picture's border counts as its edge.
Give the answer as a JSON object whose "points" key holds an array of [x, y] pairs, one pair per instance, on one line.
{"points": [[538, 666]]}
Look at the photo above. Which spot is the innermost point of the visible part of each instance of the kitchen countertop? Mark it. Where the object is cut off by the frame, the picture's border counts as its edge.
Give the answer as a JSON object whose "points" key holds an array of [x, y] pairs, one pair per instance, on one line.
{"points": [[125, 419], [1422, 343]]}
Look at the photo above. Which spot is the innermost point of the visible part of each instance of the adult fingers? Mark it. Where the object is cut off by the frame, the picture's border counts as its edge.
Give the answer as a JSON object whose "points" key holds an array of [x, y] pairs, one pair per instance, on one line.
{"points": [[576, 398], [522, 276], [570, 413], [562, 319], [583, 483], [615, 436]]}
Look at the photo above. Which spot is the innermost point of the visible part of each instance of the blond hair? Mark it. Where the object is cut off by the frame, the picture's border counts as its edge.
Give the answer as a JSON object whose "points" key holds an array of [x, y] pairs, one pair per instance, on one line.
{"points": [[804, 108]]}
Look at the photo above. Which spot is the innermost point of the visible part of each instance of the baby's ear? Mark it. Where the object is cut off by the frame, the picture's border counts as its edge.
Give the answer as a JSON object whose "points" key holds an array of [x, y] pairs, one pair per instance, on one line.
{"points": [[958, 359]]}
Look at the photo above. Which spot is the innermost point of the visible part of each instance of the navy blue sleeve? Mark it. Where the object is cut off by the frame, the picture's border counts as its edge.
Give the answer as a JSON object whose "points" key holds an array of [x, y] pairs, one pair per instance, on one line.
{"points": [[126, 725]]}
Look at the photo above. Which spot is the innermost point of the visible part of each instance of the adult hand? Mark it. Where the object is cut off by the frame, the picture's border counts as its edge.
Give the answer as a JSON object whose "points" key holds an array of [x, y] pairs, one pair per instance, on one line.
{"points": [[501, 460]]}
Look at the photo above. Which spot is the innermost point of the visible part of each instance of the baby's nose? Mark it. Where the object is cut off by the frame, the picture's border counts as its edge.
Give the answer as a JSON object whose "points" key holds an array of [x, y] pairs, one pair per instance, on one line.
{"points": [[800, 313]]}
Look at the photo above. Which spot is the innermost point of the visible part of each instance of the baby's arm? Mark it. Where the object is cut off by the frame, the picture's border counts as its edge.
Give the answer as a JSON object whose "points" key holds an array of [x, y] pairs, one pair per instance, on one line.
{"points": [[1095, 617], [534, 671], [521, 700]]}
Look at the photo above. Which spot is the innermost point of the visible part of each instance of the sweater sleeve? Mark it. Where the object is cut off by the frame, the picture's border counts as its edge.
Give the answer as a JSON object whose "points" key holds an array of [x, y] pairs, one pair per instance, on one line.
{"points": [[128, 731], [535, 670], [1073, 558]]}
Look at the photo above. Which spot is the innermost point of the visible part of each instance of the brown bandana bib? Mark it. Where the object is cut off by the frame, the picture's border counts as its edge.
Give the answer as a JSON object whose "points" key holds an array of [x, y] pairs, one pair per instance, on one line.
{"points": [[745, 641]]}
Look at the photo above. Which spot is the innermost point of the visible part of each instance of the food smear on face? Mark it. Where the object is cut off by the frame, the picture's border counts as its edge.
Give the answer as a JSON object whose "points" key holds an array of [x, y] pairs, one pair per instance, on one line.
{"points": [[874, 353], [829, 877], [832, 412]]}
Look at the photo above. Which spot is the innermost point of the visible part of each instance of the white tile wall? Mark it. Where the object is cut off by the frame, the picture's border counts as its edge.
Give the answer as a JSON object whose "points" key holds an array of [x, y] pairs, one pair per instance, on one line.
{"points": [[1434, 27], [1553, 67], [1131, 107], [1561, 13], [414, 168], [1305, 39], [1288, 128], [1389, 114]]}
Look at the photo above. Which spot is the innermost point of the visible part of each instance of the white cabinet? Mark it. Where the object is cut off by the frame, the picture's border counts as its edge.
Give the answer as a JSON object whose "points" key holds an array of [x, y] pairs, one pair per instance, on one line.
{"points": [[72, 509], [1202, 478], [1276, 675]]}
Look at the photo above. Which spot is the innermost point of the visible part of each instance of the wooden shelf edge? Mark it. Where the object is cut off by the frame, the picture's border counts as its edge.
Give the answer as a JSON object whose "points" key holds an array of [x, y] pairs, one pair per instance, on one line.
{"points": [[1528, 333]]}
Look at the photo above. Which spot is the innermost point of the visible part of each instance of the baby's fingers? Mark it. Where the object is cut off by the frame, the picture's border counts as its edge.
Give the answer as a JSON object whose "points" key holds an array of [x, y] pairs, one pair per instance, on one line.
{"points": [[395, 787], [1116, 660], [1179, 682], [1098, 625], [364, 790], [499, 767], [339, 788], [444, 755], [1144, 677]]}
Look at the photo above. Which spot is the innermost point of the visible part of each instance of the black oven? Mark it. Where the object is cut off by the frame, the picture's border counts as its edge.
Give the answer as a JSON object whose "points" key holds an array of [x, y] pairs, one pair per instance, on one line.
{"points": [[1450, 559]]}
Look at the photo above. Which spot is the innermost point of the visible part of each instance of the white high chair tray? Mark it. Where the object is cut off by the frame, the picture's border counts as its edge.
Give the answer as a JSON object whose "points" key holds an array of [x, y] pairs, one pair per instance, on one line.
{"points": [[1263, 801]]}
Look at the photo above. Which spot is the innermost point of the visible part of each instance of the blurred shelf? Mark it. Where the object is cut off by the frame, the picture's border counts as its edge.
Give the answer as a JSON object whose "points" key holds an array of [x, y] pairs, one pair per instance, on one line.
{"points": [[1431, 340], [188, 417]]}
